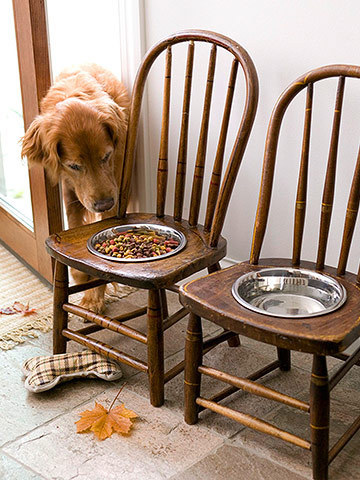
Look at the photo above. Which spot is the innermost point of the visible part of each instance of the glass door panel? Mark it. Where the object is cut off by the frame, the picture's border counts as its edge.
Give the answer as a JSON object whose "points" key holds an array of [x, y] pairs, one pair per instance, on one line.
{"points": [[14, 175], [91, 35]]}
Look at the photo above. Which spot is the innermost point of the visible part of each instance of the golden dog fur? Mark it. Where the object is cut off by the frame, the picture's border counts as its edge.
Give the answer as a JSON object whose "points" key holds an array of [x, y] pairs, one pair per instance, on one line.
{"points": [[79, 137]]}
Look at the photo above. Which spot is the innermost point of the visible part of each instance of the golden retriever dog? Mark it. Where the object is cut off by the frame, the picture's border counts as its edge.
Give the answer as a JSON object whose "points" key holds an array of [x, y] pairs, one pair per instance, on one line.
{"points": [[79, 137]]}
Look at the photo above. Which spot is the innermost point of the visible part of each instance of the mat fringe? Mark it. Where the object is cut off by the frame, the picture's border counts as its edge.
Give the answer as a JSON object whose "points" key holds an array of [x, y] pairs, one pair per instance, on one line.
{"points": [[17, 283], [18, 335]]}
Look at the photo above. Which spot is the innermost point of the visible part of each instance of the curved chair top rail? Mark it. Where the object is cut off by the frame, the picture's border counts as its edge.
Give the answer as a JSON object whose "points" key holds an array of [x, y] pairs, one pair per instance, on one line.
{"points": [[219, 201], [307, 81]]}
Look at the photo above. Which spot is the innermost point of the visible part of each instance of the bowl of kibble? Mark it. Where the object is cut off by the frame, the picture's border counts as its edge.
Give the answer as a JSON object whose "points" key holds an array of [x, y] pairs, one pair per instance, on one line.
{"points": [[136, 243]]}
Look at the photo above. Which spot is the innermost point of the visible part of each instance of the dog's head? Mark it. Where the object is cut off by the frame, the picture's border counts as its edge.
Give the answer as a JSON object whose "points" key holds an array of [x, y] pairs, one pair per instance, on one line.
{"points": [[78, 142]]}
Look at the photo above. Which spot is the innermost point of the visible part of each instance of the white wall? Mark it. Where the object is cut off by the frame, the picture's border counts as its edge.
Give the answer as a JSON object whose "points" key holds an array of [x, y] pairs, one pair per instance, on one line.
{"points": [[285, 39]]}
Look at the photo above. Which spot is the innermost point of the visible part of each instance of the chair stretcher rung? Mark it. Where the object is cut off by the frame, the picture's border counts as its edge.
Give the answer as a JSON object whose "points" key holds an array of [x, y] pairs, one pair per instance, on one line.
{"points": [[124, 317], [343, 440], [253, 422], [170, 321], [226, 392], [105, 322], [105, 350], [207, 346], [89, 329], [214, 341], [86, 286], [254, 388], [173, 288], [345, 367]]}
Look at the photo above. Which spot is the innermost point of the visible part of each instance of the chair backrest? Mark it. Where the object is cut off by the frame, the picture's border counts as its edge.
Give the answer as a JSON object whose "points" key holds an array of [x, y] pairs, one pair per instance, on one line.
{"points": [[307, 81], [220, 185]]}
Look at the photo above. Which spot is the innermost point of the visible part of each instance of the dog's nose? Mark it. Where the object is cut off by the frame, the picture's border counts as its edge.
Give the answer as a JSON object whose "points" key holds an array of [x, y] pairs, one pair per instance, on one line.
{"points": [[103, 204]]}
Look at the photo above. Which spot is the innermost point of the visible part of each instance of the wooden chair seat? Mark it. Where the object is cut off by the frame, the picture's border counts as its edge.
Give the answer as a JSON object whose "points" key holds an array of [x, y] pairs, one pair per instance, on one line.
{"points": [[69, 247], [211, 297]]}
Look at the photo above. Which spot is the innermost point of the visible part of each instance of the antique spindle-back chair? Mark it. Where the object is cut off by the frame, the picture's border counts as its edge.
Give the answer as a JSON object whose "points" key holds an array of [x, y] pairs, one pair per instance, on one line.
{"points": [[205, 246], [330, 334]]}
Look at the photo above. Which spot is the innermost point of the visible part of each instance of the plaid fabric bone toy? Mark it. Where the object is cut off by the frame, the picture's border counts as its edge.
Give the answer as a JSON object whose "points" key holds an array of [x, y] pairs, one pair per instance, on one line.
{"points": [[43, 373]]}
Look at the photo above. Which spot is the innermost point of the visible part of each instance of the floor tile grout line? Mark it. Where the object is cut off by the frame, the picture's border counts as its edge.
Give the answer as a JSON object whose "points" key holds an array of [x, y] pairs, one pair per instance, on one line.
{"points": [[29, 469], [215, 449], [65, 412]]}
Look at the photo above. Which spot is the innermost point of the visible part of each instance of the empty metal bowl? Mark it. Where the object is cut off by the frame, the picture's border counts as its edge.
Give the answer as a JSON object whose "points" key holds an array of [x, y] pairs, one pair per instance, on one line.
{"points": [[289, 292], [112, 232]]}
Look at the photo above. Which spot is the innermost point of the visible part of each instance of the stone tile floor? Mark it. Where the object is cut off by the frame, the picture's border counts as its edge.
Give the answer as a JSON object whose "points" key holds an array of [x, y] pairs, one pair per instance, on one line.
{"points": [[38, 438]]}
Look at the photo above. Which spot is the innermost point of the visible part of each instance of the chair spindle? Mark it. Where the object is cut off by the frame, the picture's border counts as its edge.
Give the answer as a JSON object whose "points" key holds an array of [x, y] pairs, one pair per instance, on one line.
{"points": [[350, 219], [164, 139], [183, 143], [300, 207], [329, 186], [218, 163], [201, 152]]}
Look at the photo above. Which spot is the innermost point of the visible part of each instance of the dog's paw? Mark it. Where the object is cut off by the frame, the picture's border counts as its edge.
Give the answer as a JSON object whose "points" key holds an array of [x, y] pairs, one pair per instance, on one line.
{"points": [[93, 302]]}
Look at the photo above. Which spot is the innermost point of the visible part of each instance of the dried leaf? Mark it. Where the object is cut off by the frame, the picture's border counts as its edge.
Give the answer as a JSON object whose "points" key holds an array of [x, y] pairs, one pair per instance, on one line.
{"points": [[7, 311], [104, 422], [21, 308]]}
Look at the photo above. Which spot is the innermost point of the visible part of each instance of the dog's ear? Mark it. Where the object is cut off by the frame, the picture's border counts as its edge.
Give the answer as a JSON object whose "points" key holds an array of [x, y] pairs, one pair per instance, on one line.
{"points": [[31, 142], [40, 144], [116, 122]]}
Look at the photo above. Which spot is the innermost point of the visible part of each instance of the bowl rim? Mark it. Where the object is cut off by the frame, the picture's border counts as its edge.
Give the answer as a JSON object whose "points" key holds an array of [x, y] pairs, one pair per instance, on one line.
{"points": [[161, 228], [314, 274]]}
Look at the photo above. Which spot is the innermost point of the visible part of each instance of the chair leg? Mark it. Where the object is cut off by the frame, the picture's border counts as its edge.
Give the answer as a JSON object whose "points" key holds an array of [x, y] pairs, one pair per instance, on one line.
{"points": [[233, 341], [61, 285], [319, 417], [164, 306], [155, 348], [193, 359], [284, 359]]}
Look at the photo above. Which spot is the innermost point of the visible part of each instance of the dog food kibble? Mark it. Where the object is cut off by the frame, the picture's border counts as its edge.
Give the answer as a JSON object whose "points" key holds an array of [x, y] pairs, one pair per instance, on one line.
{"points": [[139, 244]]}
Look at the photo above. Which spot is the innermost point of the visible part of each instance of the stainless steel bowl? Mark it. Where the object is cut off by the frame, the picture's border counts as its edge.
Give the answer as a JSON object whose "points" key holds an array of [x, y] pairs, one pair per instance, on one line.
{"points": [[111, 232], [289, 292]]}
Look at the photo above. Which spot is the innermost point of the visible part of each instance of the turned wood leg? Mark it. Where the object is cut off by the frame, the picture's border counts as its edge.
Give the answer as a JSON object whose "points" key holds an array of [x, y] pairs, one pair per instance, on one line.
{"points": [[235, 340], [319, 417], [193, 359], [155, 348], [284, 359], [61, 286], [165, 312]]}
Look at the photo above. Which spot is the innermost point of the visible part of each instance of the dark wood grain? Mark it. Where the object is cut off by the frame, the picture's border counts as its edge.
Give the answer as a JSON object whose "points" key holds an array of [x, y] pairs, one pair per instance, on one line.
{"points": [[300, 206], [61, 282], [70, 247], [198, 179], [211, 297], [162, 174], [183, 142], [329, 185], [215, 181], [319, 417]]}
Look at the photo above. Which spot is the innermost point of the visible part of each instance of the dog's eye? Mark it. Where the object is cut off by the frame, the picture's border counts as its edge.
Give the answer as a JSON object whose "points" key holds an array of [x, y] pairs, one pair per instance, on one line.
{"points": [[105, 158], [75, 166]]}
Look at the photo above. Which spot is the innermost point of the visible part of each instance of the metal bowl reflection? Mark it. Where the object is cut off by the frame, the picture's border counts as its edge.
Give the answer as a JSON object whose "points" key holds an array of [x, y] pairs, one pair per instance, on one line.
{"points": [[289, 292], [112, 232]]}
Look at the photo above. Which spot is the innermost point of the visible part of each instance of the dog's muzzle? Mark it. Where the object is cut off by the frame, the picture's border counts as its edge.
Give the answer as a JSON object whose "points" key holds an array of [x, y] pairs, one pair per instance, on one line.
{"points": [[104, 204]]}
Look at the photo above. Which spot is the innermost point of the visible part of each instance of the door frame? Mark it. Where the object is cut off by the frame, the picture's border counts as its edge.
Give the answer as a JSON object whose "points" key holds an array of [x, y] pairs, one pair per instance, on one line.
{"points": [[35, 79]]}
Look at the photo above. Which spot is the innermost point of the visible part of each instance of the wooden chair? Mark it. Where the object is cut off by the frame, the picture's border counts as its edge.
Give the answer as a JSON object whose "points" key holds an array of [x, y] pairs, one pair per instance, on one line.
{"points": [[205, 246], [210, 297]]}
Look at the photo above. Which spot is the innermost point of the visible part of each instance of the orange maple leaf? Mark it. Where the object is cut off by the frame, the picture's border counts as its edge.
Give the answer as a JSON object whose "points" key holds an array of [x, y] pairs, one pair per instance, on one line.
{"points": [[104, 422], [24, 309]]}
